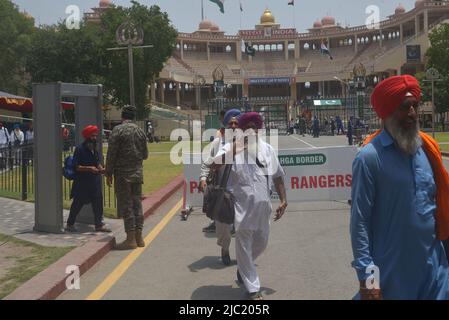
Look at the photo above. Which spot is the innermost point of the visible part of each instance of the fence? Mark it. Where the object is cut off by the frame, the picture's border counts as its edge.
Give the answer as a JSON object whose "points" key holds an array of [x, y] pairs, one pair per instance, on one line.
{"points": [[17, 175]]}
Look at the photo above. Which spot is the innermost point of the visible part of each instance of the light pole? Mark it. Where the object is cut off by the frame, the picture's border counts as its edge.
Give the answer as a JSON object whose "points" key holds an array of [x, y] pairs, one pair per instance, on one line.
{"points": [[345, 94], [198, 82], [131, 36], [433, 75]]}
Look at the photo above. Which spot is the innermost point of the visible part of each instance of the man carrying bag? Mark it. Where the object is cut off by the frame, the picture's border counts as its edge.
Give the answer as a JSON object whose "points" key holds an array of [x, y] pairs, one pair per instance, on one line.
{"points": [[213, 183]]}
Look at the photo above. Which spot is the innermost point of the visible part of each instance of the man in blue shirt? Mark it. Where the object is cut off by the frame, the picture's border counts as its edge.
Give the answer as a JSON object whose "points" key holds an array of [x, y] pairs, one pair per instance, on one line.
{"points": [[393, 205]]}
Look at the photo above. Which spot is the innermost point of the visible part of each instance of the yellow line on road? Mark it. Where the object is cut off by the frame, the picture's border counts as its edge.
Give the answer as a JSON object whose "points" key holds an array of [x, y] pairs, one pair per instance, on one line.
{"points": [[120, 270]]}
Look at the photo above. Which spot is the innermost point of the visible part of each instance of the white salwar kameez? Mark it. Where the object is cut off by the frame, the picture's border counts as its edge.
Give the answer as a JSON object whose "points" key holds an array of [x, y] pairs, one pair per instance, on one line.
{"points": [[251, 189]]}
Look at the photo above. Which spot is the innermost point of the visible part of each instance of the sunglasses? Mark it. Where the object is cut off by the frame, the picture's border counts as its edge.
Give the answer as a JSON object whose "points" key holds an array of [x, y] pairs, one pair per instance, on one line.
{"points": [[405, 107]]}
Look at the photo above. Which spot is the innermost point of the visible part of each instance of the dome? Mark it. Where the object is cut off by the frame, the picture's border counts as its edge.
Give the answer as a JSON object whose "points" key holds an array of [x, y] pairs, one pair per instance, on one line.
{"points": [[317, 24], [214, 28], [267, 17], [105, 3], [399, 10], [205, 25], [27, 15], [419, 3], [328, 21]]}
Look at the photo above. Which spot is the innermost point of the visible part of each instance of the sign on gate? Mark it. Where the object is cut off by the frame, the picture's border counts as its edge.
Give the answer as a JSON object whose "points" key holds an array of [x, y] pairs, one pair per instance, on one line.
{"points": [[321, 174]]}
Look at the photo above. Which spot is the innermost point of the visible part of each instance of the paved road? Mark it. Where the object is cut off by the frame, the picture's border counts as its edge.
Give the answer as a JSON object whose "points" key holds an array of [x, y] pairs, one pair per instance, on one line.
{"points": [[308, 256]]}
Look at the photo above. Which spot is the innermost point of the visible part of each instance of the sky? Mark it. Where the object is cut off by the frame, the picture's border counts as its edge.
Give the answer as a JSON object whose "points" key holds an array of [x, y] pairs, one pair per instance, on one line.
{"points": [[186, 14]]}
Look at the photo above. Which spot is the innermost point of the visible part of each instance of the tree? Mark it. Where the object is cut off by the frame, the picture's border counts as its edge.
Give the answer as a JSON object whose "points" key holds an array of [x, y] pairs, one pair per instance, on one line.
{"points": [[158, 31], [15, 32], [438, 58], [438, 53], [60, 54]]}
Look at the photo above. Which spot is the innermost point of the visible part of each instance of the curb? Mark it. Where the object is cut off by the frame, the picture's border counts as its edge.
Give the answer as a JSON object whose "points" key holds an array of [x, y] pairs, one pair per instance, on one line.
{"points": [[51, 282]]}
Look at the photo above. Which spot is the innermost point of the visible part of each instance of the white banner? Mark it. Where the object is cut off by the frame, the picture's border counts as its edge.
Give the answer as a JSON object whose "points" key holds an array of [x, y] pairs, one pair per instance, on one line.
{"points": [[321, 174]]}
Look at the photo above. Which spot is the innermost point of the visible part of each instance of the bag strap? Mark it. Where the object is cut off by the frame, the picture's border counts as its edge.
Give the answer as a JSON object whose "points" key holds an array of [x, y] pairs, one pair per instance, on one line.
{"points": [[226, 174], [6, 134], [227, 170], [261, 166]]}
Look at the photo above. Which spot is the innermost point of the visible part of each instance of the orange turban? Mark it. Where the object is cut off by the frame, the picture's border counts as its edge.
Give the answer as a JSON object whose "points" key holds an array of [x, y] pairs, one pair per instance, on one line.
{"points": [[390, 93], [89, 131]]}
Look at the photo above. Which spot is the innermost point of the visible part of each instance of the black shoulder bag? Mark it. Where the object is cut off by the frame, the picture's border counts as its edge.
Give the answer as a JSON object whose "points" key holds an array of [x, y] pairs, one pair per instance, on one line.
{"points": [[218, 202]]}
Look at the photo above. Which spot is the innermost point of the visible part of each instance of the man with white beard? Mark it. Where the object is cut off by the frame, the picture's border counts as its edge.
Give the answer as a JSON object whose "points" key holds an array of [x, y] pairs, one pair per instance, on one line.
{"points": [[255, 169], [400, 207]]}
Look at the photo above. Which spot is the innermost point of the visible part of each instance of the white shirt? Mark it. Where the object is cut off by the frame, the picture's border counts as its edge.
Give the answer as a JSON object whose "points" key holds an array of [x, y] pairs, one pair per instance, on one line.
{"points": [[4, 136], [250, 186], [29, 135], [16, 136]]}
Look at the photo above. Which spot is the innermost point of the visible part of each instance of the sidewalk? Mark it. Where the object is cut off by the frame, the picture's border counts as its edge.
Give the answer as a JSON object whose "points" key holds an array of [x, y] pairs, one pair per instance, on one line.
{"points": [[17, 219]]}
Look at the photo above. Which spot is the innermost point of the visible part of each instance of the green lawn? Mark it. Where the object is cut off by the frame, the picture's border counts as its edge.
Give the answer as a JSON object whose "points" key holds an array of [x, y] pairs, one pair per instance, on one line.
{"points": [[443, 137], [158, 169], [22, 260]]}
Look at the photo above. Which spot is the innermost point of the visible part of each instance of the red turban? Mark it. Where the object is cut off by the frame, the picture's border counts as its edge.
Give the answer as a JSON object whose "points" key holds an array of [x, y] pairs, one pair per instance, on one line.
{"points": [[251, 117], [89, 131], [390, 93]]}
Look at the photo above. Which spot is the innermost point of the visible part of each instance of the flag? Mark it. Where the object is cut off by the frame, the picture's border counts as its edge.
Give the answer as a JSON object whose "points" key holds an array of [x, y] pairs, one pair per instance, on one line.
{"points": [[241, 6], [249, 50], [291, 2], [325, 50], [220, 4]]}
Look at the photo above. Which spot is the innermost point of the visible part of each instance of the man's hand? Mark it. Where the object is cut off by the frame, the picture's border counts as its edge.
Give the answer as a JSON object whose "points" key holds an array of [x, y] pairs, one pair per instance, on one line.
{"points": [[109, 181], [280, 211], [370, 294], [202, 186], [94, 170]]}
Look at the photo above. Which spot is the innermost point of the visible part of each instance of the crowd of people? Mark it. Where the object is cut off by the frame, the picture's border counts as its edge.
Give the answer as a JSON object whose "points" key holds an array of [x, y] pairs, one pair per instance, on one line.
{"points": [[399, 223], [12, 143], [329, 126]]}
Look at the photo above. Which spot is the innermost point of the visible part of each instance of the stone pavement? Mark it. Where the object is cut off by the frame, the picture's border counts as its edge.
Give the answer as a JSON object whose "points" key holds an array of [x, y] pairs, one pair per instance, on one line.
{"points": [[17, 219]]}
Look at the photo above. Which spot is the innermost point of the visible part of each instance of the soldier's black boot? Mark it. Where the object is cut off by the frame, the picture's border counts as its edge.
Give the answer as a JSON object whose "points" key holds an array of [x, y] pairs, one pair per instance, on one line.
{"points": [[139, 239], [129, 243]]}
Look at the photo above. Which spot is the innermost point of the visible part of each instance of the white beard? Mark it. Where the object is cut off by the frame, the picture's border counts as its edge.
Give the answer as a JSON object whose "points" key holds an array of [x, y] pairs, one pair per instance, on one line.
{"points": [[408, 141]]}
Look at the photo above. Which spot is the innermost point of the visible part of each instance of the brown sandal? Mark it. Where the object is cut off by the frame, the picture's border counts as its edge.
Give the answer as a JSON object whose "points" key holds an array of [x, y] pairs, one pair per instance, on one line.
{"points": [[255, 296]]}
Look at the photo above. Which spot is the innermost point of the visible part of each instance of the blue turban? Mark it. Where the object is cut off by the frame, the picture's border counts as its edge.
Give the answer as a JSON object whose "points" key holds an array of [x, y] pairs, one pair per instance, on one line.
{"points": [[17, 126], [233, 113]]}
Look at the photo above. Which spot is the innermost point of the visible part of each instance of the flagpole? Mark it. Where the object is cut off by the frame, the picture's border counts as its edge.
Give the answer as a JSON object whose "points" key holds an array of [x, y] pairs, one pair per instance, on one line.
{"points": [[202, 10], [294, 16], [241, 13]]}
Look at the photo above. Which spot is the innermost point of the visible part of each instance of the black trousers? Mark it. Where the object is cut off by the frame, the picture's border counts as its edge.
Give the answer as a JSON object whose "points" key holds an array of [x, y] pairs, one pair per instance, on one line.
{"points": [[77, 205]]}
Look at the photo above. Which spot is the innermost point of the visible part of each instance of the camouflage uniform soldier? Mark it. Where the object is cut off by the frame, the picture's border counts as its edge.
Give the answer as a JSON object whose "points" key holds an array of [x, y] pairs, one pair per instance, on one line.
{"points": [[127, 149]]}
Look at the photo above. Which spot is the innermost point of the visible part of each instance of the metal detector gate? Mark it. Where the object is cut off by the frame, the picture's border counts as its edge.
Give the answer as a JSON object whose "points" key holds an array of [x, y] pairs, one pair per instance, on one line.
{"points": [[48, 144]]}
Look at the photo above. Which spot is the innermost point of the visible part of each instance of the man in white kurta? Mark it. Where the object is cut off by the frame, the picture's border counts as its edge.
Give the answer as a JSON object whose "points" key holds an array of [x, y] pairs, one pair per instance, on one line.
{"points": [[255, 168], [223, 230]]}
